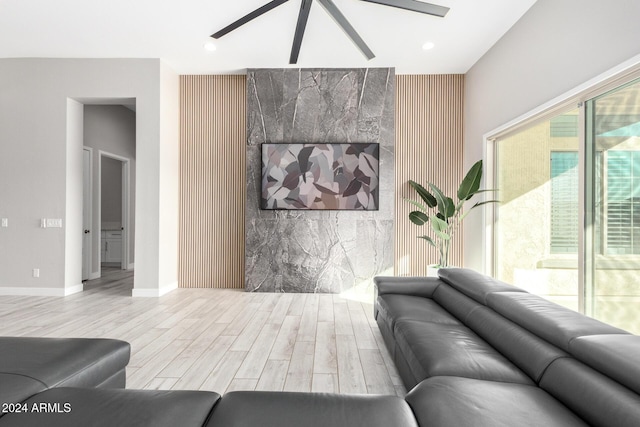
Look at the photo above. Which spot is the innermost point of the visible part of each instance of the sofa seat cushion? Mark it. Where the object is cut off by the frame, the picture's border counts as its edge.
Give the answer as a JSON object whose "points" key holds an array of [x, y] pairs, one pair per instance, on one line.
{"points": [[17, 388], [289, 409], [463, 402], [64, 362], [74, 407], [393, 308], [433, 349]]}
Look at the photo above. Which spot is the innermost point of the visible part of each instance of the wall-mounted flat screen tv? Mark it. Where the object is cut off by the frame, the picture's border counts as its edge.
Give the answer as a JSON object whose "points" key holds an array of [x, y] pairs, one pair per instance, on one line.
{"points": [[320, 176]]}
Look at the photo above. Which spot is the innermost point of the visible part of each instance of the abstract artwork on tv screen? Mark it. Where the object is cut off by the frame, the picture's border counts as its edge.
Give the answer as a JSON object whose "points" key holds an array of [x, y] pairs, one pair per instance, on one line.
{"points": [[320, 176]]}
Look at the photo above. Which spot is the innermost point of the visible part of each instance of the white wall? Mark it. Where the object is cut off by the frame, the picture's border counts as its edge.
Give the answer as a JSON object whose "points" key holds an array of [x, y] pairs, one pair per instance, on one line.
{"points": [[41, 168], [169, 178], [556, 46], [72, 217]]}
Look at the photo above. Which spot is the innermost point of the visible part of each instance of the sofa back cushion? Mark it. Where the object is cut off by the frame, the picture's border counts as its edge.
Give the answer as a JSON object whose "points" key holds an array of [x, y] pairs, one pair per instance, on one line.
{"points": [[91, 407], [16, 389], [289, 409], [455, 302], [473, 284], [527, 351], [596, 398], [552, 322], [616, 356], [406, 285]]}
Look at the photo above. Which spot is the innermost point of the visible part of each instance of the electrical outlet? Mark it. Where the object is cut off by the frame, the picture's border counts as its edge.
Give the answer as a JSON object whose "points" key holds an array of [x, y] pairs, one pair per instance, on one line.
{"points": [[5, 222], [36, 272]]}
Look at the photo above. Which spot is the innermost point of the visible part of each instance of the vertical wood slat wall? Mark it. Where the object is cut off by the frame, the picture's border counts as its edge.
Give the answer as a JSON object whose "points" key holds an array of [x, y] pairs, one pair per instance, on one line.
{"points": [[429, 142], [212, 181], [429, 114]]}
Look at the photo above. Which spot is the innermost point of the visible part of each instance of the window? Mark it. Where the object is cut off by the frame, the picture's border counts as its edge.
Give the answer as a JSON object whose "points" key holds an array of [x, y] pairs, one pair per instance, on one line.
{"points": [[564, 202], [565, 125], [536, 232], [622, 203]]}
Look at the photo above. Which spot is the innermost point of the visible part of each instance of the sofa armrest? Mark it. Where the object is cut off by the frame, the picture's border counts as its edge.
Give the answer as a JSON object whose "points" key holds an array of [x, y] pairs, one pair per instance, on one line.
{"points": [[66, 362], [416, 286]]}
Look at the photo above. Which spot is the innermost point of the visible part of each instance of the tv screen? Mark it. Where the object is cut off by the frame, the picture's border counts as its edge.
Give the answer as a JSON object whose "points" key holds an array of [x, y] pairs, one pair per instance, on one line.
{"points": [[320, 176]]}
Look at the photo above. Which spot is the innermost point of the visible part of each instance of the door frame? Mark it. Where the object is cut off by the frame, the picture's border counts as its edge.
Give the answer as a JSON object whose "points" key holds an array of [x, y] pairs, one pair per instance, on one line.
{"points": [[87, 209], [126, 211]]}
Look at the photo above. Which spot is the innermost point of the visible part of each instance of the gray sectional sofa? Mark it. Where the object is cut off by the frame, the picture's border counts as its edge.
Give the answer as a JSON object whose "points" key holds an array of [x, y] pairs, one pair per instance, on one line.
{"points": [[472, 351]]}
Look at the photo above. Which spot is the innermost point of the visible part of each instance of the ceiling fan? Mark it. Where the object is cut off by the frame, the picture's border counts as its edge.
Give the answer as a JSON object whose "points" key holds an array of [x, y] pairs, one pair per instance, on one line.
{"points": [[338, 17]]}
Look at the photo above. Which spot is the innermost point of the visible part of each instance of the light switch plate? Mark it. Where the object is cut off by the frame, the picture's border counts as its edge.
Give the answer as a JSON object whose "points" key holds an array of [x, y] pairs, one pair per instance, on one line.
{"points": [[51, 223], [5, 222]]}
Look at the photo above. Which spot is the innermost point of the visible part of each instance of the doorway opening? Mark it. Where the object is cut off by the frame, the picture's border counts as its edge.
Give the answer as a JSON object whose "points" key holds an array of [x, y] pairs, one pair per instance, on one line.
{"points": [[113, 190], [109, 164]]}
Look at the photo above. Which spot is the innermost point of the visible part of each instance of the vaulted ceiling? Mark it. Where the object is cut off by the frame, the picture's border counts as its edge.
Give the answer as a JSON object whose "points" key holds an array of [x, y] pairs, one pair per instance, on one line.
{"points": [[177, 31]]}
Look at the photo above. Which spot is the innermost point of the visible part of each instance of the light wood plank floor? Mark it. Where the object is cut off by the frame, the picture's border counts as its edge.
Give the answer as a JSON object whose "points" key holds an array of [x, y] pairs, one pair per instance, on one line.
{"points": [[218, 339]]}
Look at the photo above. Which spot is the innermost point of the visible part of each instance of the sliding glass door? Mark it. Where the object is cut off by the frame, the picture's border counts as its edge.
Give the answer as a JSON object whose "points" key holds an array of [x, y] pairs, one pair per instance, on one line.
{"points": [[568, 225], [612, 256]]}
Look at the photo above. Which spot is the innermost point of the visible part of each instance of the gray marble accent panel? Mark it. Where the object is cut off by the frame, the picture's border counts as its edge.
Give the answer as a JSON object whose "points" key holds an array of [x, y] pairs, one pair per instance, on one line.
{"points": [[319, 251]]}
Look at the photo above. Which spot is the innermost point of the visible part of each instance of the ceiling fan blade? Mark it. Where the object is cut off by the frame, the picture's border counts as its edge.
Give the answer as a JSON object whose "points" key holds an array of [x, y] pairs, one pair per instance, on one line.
{"points": [[259, 11], [303, 16], [340, 19], [415, 6]]}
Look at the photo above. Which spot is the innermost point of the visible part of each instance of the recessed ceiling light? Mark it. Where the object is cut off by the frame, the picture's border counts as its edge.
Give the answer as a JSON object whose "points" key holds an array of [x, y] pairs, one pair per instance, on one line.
{"points": [[428, 45], [210, 46]]}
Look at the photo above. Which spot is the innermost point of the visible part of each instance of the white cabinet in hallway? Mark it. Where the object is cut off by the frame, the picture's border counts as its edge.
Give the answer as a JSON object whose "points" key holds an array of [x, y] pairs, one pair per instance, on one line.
{"points": [[111, 249]]}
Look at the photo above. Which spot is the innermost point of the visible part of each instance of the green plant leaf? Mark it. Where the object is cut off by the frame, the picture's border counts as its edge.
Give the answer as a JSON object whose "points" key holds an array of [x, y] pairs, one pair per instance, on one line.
{"points": [[471, 182], [417, 205], [484, 203], [445, 204], [451, 208], [463, 216], [428, 239], [424, 194], [418, 218], [439, 227]]}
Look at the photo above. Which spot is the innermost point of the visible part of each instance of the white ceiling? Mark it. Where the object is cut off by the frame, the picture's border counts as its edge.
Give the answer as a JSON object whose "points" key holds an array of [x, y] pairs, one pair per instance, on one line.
{"points": [[176, 31]]}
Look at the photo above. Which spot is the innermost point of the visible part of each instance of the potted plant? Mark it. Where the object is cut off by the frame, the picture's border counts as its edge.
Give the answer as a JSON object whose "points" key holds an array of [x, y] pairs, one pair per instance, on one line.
{"points": [[445, 215]]}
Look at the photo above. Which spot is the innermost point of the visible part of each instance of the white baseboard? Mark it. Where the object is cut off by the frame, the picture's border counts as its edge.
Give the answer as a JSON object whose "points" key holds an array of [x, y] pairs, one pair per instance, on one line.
{"points": [[73, 289], [131, 266], [42, 292], [94, 275], [154, 293]]}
